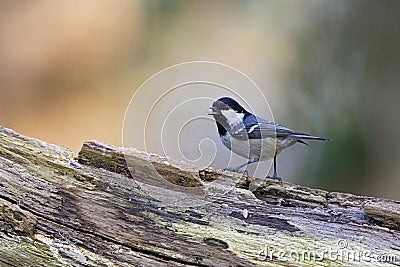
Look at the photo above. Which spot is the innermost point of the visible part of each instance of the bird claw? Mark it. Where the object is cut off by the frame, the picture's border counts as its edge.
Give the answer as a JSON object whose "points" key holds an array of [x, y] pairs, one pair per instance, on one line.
{"points": [[274, 177], [233, 169]]}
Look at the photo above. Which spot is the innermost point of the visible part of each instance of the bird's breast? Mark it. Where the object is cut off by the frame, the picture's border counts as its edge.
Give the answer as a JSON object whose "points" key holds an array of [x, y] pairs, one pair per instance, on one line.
{"points": [[257, 149]]}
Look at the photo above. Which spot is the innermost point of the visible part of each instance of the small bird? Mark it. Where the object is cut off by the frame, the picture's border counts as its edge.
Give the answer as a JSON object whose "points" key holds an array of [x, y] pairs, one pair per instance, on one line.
{"points": [[252, 137]]}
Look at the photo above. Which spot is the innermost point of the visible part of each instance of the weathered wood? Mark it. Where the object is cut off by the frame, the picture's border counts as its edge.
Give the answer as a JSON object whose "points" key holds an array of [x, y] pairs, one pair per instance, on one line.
{"points": [[92, 209]]}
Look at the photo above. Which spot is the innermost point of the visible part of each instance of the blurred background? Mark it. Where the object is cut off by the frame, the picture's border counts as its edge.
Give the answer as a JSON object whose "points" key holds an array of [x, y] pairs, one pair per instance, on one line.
{"points": [[68, 70]]}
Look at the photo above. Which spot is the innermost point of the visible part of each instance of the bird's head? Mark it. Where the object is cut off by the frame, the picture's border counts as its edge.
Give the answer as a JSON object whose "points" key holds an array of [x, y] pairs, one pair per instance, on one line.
{"points": [[224, 106], [228, 114]]}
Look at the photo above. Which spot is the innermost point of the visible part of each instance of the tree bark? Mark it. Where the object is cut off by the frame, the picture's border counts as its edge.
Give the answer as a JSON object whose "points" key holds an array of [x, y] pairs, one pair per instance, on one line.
{"points": [[107, 206]]}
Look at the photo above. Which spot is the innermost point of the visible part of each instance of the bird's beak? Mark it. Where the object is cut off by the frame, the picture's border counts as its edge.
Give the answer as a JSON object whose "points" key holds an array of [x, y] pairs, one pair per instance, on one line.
{"points": [[212, 111]]}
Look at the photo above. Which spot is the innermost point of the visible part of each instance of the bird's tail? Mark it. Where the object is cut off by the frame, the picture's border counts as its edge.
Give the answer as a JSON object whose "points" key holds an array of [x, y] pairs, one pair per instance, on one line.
{"points": [[310, 137], [301, 136]]}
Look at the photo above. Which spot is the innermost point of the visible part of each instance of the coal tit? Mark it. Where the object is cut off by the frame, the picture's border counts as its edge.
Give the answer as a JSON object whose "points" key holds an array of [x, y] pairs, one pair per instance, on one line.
{"points": [[252, 137]]}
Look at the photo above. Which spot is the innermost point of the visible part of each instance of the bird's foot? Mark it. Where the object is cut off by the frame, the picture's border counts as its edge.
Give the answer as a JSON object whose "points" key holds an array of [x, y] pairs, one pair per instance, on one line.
{"points": [[233, 169], [275, 177]]}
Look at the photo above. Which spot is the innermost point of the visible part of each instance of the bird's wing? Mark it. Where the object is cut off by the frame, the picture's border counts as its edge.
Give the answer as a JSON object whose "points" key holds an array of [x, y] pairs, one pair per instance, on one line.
{"points": [[258, 128]]}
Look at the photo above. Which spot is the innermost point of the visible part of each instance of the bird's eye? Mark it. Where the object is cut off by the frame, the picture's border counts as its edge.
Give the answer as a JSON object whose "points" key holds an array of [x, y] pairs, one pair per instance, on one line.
{"points": [[221, 105]]}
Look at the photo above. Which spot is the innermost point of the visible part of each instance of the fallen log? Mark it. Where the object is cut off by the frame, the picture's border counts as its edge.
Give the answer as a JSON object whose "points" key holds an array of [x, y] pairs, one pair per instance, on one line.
{"points": [[98, 208]]}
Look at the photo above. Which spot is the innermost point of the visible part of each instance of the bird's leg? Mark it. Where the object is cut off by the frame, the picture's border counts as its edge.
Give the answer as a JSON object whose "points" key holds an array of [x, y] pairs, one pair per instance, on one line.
{"points": [[275, 171], [275, 176], [237, 169]]}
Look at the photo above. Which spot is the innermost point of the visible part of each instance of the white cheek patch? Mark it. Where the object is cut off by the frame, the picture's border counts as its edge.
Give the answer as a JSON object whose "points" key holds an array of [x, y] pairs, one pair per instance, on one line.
{"points": [[233, 117]]}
